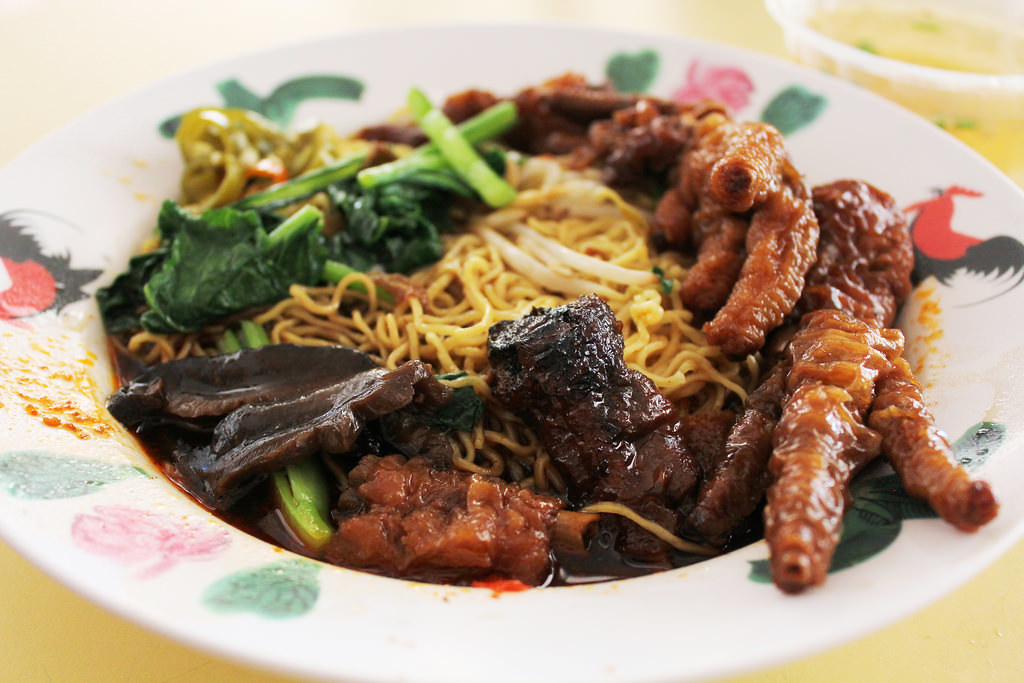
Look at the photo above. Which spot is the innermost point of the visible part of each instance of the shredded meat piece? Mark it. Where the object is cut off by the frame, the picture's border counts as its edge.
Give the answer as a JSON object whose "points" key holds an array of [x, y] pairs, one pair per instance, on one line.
{"points": [[395, 133], [638, 145], [752, 222], [921, 454], [399, 286], [612, 434], [705, 434], [738, 484], [415, 521], [865, 253], [821, 440]]}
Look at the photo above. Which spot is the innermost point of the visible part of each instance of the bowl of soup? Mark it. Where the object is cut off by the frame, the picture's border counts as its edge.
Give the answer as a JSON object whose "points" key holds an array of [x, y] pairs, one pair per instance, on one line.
{"points": [[958, 64]]}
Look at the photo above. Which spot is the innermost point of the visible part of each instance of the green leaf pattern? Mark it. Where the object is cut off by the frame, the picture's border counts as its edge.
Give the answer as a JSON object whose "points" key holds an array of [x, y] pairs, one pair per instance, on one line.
{"points": [[281, 590], [280, 105], [793, 108], [978, 443], [632, 72], [42, 475]]}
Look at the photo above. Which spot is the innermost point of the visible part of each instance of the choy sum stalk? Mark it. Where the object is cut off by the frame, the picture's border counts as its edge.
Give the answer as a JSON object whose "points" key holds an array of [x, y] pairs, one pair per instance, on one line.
{"points": [[301, 490]]}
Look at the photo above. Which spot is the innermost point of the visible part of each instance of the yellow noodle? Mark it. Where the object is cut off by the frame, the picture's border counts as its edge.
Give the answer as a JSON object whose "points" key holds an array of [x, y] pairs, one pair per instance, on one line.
{"points": [[654, 528]]}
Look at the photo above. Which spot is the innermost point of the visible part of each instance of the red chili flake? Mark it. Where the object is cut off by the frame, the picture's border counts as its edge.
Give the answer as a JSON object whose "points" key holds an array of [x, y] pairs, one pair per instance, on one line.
{"points": [[499, 586]]}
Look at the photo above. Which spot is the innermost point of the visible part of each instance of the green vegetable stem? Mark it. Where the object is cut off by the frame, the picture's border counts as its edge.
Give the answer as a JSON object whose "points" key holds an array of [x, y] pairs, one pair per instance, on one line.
{"points": [[253, 334], [228, 343], [485, 126], [301, 490], [302, 496], [302, 186], [459, 153]]}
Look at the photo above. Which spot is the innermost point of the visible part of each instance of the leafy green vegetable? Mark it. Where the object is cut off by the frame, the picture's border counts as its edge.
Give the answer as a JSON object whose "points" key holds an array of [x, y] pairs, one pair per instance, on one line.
{"points": [[225, 262], [396, 226], [253, 334], [122, 301], [243, 256], [462, 412], [666, 283], [228, 342]]}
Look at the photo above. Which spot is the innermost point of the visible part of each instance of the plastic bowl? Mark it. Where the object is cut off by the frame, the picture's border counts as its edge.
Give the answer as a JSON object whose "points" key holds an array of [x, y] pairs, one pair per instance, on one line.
{"points": [[985, 110]]}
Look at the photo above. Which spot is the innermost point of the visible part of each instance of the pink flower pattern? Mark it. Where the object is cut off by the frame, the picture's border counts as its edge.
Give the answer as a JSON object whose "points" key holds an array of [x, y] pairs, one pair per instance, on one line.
{"points": [[727, 84], [132, 536]]}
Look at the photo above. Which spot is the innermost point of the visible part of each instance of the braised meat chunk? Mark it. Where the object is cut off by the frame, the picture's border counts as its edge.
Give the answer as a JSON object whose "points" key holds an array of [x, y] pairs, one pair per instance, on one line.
{"points": [[735, 488], [611, 433], [235, 419], [414, 521], [865, 253]]}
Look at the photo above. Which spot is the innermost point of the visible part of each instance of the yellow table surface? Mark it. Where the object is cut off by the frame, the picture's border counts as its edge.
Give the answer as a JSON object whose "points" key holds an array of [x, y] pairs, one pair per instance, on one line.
{"points": [[60, 58]]}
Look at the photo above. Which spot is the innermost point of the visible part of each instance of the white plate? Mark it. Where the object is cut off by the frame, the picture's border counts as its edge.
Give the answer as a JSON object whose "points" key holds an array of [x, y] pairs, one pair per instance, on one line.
{"points": [[88, 507]]}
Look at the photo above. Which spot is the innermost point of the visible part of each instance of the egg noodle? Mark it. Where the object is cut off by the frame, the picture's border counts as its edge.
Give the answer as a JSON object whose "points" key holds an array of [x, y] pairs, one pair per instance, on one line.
{"points": [[566, 234]]}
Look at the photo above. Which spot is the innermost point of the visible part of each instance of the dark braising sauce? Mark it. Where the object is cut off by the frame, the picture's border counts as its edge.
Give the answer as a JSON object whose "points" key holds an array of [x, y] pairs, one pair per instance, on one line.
{"points": [[256, 514]]}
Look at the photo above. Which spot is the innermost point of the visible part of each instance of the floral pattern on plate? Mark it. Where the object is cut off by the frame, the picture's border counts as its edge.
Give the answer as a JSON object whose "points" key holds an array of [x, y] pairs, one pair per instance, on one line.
{"points": [[134, 536]]}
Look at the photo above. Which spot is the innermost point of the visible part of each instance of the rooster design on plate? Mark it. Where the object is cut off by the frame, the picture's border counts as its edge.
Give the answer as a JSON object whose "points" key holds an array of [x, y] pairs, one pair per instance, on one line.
{"points": [[981, 268]]}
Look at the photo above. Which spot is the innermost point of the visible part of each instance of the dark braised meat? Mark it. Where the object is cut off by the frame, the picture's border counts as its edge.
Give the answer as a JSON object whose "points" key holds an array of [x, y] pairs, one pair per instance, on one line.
{"points": [[212, 387], [237, 442], [613, 435], [553, 116], [740, 203], [705, 434], [737, 485], [411, 520], [640, 145], [265, 437], [865, 254]]}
